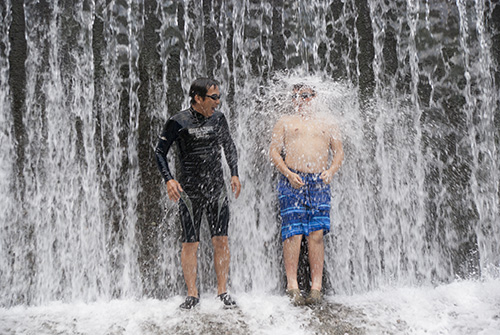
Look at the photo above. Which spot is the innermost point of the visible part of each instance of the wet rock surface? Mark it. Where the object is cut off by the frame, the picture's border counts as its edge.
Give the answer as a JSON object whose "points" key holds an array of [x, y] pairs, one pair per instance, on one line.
{"points": [[227, 323], [329, 319], [338, 319], [256, 317], [325, 319]]}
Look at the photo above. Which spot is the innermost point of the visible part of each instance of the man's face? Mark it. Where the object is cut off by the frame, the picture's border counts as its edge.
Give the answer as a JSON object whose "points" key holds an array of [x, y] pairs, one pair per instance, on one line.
{"points": [[303, 96], [208, 103]]}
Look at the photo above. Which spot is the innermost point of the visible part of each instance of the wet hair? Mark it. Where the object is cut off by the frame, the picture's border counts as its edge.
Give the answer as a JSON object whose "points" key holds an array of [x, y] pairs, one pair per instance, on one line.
{"points": [[200, 87], [300, 86]]}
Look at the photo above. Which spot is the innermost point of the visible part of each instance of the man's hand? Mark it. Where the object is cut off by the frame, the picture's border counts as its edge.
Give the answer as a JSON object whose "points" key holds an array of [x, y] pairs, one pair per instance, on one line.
{"points": [[295, 180], [174, 190], [327, 176], [235, 186]]}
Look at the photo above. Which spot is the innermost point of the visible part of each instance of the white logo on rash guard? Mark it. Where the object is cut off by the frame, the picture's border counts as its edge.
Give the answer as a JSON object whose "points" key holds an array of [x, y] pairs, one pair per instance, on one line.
{"points": [[203, 132]]}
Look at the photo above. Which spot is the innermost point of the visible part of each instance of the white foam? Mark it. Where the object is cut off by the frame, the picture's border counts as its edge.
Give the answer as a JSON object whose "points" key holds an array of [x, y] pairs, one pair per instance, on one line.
{"points": [[462, 307]]}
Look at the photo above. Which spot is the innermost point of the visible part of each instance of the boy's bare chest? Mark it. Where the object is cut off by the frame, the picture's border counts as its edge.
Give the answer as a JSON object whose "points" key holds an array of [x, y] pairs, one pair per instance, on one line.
{"points": [[305, 129]]}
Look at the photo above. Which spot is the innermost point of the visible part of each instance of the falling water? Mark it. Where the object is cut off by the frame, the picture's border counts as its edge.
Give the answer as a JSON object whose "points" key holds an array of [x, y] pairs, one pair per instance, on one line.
{"points": [[7, 202], [84, 213]]}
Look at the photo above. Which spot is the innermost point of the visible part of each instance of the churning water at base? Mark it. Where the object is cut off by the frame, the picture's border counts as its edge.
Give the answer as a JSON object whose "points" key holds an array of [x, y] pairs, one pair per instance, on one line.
{"points": [[85, 222], [464, 307]]}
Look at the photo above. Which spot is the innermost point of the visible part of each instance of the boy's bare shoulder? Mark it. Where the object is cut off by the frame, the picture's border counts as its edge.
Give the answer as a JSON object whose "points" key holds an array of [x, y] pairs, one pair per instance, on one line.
{"points": [[285, 120], [326, 118]]}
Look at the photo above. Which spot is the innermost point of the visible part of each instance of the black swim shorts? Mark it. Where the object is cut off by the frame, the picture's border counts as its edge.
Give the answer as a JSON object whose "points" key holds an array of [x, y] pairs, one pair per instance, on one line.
{"points": [[191, 208]]}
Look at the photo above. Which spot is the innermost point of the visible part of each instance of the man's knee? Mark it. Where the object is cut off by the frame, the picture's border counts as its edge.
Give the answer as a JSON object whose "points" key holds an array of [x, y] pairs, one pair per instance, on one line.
{"points": [[292, 244], [316, 237], [294, 239], [220, 242], [190, 247]]}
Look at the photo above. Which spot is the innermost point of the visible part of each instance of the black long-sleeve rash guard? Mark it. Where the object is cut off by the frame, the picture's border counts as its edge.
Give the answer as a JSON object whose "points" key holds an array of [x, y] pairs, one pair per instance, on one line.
{"points": [[199, 140]]}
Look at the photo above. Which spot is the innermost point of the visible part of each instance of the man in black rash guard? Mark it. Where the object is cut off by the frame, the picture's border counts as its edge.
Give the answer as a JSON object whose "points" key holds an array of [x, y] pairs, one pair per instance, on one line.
{"points": [[200, 132]]}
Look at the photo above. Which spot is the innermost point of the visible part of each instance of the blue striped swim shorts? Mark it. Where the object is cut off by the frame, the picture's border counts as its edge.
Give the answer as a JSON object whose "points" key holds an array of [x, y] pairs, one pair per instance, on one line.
{"points": [[306, 209]]}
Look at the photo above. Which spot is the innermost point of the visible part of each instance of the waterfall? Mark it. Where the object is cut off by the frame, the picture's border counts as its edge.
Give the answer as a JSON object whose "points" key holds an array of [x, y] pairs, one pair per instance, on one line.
{"points": [[7, 152], [84, 213]]}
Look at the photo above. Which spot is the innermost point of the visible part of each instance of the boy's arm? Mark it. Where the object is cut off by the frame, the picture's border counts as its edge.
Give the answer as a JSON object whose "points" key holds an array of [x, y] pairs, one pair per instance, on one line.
{"points": [[277, 144], [338, 155]]}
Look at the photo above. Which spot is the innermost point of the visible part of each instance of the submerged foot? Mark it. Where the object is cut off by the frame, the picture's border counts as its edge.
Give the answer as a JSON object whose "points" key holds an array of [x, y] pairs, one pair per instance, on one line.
{"points": [[314, 298], [190, 302], [296, 297], [227, 300]]}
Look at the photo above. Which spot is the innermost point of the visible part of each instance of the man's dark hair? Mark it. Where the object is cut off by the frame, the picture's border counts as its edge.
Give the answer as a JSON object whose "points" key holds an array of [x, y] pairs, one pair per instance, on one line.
{"points": [[200, 87]]}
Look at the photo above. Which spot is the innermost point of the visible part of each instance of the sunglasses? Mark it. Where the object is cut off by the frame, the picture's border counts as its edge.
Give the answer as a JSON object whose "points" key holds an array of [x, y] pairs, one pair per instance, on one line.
{"points": [[213, 96], [304, 95]]}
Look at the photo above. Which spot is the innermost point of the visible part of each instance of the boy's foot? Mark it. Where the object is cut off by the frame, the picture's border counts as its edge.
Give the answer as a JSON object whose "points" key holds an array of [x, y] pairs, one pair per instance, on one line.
{"points": [[296, 297], [314, 297], [190, 302], [227, 300]]}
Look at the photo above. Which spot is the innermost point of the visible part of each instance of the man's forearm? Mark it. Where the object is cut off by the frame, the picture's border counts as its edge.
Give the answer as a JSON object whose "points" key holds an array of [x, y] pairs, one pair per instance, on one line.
{"points": [[161, 159], [337, 160], [280, 164], [335, 167]]}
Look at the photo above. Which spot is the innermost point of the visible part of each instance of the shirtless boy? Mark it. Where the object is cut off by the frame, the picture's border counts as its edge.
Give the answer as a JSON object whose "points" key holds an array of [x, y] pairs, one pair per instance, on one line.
{"points": [[307, 139]]}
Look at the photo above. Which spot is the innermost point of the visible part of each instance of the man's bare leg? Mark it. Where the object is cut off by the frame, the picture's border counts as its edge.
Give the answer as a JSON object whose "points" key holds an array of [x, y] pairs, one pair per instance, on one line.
{"points": [[189, 262], [291, 252], [316, 258], [221, 261]]}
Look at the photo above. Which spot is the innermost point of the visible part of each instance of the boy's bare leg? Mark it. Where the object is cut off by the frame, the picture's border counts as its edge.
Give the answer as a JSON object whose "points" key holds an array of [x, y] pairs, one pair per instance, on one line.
{"points": [[316, 258], [291, 252]]}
